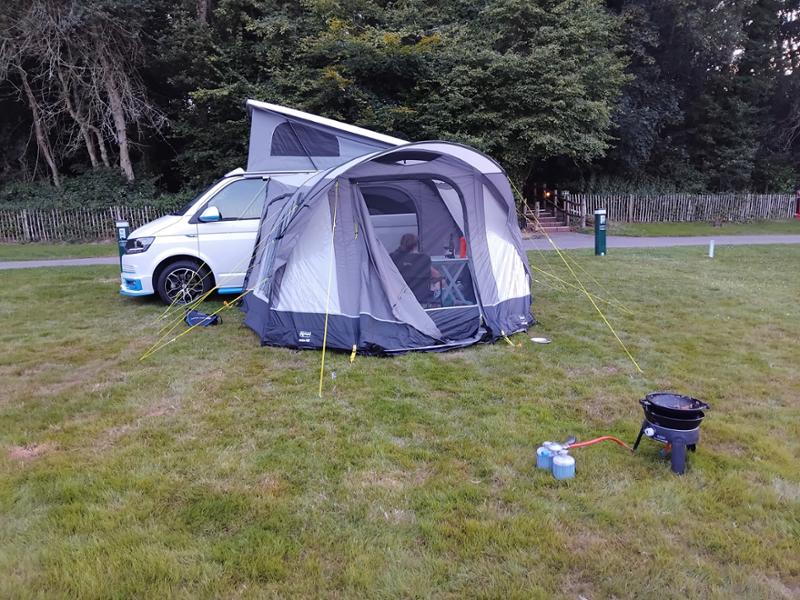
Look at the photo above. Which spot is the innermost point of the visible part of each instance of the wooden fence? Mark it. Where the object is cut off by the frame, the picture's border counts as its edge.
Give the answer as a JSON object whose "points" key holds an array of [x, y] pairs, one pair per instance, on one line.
{"points": [[83, 224], [79, 224], [633, 208]]}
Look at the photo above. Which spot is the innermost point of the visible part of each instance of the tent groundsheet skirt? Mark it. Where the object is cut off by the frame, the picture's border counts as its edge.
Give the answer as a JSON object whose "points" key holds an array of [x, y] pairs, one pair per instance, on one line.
{"points": [[368, 334]]}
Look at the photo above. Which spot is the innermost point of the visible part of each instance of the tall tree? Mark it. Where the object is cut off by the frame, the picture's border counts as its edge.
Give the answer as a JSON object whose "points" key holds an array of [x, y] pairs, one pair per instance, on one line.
{"points": [[72, 75]]}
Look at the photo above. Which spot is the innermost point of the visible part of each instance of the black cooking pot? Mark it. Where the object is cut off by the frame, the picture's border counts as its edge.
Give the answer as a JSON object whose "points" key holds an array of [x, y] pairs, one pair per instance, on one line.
{"points": [[674, 405], [673, 423]]}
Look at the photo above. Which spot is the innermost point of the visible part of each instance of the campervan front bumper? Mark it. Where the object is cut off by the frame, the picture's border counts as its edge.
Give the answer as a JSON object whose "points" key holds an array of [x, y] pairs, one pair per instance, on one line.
{"points": [[133, 283]]}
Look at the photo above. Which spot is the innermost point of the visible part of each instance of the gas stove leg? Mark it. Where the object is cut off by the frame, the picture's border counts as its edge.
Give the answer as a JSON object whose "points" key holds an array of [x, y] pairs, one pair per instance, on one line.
{"points": [[678, 456], [639, 437]]}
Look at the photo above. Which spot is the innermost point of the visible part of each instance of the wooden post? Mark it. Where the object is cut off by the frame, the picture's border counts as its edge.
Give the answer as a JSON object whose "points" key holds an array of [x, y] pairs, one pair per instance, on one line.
{"points": [[26, 229], [630, 208], [583, 211], [555, 203]]}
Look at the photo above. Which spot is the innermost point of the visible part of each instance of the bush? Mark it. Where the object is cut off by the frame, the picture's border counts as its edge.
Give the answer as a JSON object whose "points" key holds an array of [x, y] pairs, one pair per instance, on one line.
{"points": [[99, 188]]}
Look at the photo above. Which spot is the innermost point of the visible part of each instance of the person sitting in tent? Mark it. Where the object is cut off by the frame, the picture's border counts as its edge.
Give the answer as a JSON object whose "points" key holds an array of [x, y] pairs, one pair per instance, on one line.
{"points": [[415, 268]]}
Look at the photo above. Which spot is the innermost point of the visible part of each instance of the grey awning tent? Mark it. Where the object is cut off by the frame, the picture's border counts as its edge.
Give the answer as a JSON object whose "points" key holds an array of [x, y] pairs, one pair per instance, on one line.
{"points": [[335, 245]]}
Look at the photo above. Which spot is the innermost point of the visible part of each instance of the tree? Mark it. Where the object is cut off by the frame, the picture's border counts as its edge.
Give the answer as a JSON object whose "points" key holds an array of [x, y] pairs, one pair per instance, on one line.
{"points": [[19, 44], [70, 73]]}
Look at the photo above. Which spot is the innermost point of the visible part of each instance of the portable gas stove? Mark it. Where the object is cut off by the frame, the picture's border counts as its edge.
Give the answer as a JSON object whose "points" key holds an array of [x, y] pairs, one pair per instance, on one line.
{"points": [[675, 421]]}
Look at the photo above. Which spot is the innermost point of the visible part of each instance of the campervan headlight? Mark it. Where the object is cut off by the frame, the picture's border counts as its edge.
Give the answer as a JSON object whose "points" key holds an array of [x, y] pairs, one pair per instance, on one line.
{"points": [[138, 245]]}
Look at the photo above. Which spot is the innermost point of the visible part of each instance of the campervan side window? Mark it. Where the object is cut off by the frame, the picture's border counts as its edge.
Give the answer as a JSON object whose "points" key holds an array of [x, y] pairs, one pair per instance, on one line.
{"points": [[242, 199]]}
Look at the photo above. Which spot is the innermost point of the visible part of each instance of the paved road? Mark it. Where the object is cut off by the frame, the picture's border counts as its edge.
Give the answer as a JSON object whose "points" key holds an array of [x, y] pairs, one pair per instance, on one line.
{"points": [[61, 262], [563, 240], [582, 240]]}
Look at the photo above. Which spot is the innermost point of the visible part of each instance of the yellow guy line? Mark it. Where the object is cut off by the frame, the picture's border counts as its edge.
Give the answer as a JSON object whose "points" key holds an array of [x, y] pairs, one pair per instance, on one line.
{"points": [[600, 285], [328, 295], [186, 308], [573, 286], [229, 304], [546, 262], [583, 288], [182, 333], [171, 325], [208, 269], [198, 301]]}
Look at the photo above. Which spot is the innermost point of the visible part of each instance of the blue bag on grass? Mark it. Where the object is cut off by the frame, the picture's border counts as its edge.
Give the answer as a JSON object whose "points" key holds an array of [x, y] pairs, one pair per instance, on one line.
{"points": [[195, 317]]}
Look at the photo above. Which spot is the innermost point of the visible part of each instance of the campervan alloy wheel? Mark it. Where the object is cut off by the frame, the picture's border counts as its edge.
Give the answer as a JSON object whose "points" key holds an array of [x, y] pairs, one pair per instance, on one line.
{"points": [[183, 281]]}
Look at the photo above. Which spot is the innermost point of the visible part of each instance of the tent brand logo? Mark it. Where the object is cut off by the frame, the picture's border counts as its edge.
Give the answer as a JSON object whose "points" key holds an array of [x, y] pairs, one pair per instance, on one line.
{"points": [[304, 337]]}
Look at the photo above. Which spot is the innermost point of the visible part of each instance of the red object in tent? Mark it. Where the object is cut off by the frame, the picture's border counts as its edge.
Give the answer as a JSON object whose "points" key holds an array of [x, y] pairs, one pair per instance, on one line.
{"points": [[462, 247]]}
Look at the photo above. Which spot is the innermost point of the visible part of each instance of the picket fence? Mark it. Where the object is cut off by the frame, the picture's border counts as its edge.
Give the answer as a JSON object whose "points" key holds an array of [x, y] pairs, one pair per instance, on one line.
{"points": [[631, 208], [69, 225]]}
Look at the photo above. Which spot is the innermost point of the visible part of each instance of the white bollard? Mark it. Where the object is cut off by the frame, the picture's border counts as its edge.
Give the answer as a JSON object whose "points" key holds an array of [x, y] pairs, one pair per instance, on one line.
{"points": [[711, 249]]}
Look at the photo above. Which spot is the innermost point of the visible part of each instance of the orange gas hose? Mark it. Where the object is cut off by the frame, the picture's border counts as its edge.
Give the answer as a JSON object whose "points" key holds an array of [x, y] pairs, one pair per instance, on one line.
{"points": [[600, 439]]}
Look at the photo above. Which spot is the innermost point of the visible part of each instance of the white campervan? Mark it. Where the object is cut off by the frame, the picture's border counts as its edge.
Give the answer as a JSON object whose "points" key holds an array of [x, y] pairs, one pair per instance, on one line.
{"points": [[209, 242]]}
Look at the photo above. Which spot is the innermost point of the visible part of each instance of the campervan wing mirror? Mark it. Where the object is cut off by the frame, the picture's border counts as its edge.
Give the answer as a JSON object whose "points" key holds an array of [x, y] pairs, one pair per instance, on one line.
{"points": [[210, 215]]}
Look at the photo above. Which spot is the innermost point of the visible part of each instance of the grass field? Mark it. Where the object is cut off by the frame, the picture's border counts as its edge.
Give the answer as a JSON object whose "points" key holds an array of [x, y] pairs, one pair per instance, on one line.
{"points": [[39, 251], [791, 226], [214, 470]]}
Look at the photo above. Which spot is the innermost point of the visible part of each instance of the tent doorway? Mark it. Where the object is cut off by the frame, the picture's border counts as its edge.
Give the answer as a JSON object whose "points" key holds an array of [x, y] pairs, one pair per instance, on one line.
{"points": [[419, 231]]}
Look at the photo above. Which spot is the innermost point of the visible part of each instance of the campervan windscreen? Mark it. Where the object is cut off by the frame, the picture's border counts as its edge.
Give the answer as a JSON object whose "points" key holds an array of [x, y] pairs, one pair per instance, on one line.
{"points": [[185, 208]]}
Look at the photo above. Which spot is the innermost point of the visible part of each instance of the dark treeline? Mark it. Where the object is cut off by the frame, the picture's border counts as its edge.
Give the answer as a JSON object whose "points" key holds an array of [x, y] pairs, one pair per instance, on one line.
{"points": [[624, 95]]}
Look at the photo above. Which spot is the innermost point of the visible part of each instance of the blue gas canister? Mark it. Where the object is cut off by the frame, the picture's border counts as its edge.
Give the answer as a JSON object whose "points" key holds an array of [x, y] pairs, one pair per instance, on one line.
{"points": [[563, 465], [544, 457], [545, 453]]}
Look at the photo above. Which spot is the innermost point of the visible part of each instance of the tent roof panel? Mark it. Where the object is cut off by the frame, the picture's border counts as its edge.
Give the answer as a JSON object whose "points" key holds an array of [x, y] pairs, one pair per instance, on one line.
{"points": [[480, 161]]}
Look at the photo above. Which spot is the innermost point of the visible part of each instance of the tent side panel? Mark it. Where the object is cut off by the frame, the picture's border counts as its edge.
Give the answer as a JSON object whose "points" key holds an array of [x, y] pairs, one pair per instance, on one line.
{"points": [[501, 184], [307, 330], [509, 316], [508, 268], [478, 247], [511, 310], [278, 195], [309, 284]]}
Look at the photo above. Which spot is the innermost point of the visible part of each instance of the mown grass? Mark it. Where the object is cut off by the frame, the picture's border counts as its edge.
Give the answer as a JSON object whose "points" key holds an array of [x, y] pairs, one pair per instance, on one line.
{"points": [[791, 226], [42, 251], [214, 470]]}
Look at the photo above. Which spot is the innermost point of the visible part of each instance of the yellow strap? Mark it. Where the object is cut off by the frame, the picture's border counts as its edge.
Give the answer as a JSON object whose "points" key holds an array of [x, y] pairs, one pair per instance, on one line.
{"points": [[353, 354]]}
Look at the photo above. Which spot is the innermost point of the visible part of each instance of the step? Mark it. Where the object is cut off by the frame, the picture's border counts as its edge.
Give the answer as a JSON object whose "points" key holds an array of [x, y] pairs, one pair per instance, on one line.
{"points": [[541, 233], [547, 224], [555, 229]]}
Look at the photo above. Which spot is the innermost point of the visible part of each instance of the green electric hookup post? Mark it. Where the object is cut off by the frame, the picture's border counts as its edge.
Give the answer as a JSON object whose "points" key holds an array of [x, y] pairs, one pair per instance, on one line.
{"points": [[123, 228], [600, 226]]}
